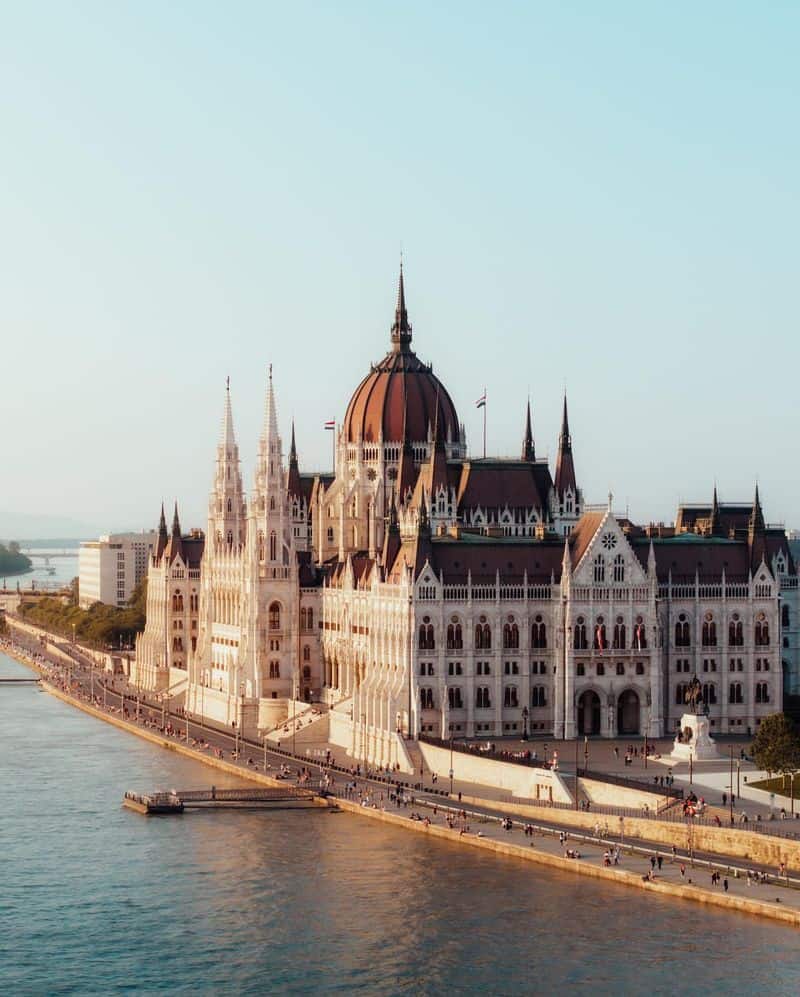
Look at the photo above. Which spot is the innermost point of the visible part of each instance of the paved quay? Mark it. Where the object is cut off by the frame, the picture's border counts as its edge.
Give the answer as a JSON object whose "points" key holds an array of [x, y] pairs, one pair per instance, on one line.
{"points": [[604, 852]]}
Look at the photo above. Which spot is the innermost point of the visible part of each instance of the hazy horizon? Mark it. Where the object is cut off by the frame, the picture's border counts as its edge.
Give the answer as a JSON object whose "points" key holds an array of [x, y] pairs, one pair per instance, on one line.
{"points": [[603, 198]]}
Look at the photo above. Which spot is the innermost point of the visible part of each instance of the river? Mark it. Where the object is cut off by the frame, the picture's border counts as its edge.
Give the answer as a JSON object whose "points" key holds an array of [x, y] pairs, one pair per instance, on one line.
{"points": [[95, 899]]}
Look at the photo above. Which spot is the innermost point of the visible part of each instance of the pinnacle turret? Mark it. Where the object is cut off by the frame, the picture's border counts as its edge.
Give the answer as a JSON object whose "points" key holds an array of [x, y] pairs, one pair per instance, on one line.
{"points": [[528, 452], [401, 329], [565, 467]]}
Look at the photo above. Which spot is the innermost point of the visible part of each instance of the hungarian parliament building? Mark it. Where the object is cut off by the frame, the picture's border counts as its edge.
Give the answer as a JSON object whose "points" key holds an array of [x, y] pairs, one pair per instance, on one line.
{"points": [[418, 590]]}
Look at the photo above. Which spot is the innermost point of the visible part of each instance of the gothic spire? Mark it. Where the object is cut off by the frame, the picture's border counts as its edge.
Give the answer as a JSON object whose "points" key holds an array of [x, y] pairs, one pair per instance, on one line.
{"points": [[227, 436], [565, 467], [270, 430], [528, 452], [714, 524], [176, 524], [401, 329], [163, 536], [293, 448], [757, 515], [293, 480]]}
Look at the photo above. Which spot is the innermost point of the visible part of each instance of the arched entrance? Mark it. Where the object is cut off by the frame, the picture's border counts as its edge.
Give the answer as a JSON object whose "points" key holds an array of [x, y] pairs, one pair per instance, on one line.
{"points": [[628, 713], [588, 713]]}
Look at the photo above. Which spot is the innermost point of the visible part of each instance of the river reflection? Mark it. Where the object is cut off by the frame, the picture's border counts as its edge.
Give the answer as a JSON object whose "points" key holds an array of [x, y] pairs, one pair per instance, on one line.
{"points": [[96, 899]]}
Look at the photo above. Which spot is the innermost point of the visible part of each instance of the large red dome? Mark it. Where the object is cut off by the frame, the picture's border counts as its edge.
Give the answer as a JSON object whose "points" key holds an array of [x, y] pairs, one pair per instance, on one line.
{"points": [[399, 397]]}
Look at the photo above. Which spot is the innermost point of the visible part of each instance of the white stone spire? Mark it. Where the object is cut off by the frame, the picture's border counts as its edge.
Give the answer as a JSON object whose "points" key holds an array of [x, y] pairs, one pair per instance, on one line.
{"points": [[227, 437], [269, 466], [269, 433]]}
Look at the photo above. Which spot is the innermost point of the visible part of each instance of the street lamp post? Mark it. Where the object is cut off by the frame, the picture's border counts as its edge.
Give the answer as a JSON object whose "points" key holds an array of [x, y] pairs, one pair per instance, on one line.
{"points": [[731, 793], [525, 716], [265, 751], [451, 759]]}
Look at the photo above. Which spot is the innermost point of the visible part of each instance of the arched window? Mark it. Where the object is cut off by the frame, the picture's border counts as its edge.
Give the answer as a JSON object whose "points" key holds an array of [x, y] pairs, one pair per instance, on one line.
{"points": [[274, 669], [229, 538], [619, 635], [454, 698], [762, 692], [735, 693], [273, 546], [230, 506], [709, 631], [600, 643], [177, 602], [538, 696], [735, 634], [261, 545], [599, 568], [785, 616], [454, 639], [620, 668], [303, 619], [709, 693], [306, 653], [539, 633], [639, 668], [762, 631], [510, 636], [482, 699], [682, 634], [510, 696], [579, 643], [426, 698], [639, 634], [601, 668], [275, 616], [427, 641], [306, 673], [680, 693], [483, 637], [619, 568]]}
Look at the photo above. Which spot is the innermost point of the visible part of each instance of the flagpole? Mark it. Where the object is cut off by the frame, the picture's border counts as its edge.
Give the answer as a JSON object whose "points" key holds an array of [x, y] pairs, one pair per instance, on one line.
{"points": [[484, 423]]}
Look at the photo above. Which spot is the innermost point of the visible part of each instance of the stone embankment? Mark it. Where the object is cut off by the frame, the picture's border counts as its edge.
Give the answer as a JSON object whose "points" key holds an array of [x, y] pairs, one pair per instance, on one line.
{"points": [[786, 912]]}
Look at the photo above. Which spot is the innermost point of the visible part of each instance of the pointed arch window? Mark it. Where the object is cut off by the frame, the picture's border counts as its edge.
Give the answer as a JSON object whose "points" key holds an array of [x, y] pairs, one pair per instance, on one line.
{"points": [[274, 616], [762, 631], [230, 506], [510, 636], [427, 639], [539, 633], [619, 635], [600, 642], [639, 635], [599, 568], [455, 641], [229, 538], [261, 545], [735, 693], [709, 631], [538, 696], [762, 692], [273, 546], [709, 693], [619, 568], [735, 632], [426, 698], [580, 642], [483, 637]]}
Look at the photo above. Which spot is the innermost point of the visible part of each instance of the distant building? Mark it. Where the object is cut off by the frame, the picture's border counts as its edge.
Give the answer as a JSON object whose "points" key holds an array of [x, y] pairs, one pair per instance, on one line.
{"points": [[110, 568]]}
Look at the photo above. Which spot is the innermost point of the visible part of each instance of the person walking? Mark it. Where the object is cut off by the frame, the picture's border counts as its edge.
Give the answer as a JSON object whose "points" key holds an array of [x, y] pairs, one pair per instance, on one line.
{"points": [[683, 871], [725, 884], [660, 860]]}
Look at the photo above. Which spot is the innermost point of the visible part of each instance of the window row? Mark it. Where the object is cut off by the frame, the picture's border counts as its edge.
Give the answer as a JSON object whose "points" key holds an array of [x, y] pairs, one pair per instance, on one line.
{"points": [[581, 668], [483, 697], [619, 638], [735, 693], [708, 631], [426, 637]]}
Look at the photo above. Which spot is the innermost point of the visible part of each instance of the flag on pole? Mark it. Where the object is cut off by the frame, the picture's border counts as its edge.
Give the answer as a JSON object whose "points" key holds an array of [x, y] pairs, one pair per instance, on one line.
{"points": [[481, 402], [331, 424]]}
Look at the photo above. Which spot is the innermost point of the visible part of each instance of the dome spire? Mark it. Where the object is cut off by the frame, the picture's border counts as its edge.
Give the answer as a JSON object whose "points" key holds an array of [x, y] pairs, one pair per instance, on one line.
{"points": [[401, 329]]}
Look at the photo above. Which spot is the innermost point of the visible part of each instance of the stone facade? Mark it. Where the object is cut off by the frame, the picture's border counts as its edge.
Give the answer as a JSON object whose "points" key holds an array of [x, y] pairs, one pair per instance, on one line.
{"points": [[418, 591]]}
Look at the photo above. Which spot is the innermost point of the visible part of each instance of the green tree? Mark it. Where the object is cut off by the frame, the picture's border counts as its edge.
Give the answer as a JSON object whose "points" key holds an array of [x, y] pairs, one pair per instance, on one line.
{"points": [[776, 746]]}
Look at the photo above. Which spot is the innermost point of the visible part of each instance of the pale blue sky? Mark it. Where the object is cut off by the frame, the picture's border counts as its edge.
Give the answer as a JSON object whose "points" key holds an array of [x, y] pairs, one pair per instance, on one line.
{"points": [[602, 195]]}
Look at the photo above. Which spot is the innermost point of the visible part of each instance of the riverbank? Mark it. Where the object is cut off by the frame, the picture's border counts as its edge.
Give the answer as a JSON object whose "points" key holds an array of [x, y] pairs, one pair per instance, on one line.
{"points": [[788, 912]]}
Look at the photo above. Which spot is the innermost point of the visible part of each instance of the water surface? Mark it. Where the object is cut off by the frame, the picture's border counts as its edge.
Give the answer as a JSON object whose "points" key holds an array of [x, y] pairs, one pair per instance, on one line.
{"points": [[95, 899]]}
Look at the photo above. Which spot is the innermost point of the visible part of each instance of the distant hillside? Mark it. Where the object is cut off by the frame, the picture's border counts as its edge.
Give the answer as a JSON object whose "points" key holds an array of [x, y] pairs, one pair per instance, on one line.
{"points": [[12, 562]]}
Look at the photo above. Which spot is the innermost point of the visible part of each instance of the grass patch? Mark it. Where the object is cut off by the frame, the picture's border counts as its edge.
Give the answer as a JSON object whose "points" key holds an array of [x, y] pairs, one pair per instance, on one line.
{"points": [[778, 784]]}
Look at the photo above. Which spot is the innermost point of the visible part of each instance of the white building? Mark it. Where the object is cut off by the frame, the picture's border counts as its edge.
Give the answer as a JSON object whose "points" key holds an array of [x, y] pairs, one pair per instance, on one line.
{"points": [[421, 592], [110, 568]]}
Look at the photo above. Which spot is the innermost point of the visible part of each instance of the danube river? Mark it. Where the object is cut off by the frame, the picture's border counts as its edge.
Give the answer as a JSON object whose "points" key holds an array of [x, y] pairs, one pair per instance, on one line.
{"points": [[96, 899]]}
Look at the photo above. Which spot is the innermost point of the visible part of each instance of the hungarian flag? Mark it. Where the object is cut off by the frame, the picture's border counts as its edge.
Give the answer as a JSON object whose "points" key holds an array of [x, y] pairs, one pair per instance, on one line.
{"points": [[331, 424], [481, 402]]}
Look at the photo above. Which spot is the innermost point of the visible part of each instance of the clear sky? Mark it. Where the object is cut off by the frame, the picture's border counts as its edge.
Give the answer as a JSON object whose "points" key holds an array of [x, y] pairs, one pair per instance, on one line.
{"points": [[602, 195]]}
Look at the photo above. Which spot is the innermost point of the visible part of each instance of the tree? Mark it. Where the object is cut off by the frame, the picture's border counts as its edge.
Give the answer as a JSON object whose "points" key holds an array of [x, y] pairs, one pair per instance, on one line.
{"points": [[776, 746]]}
